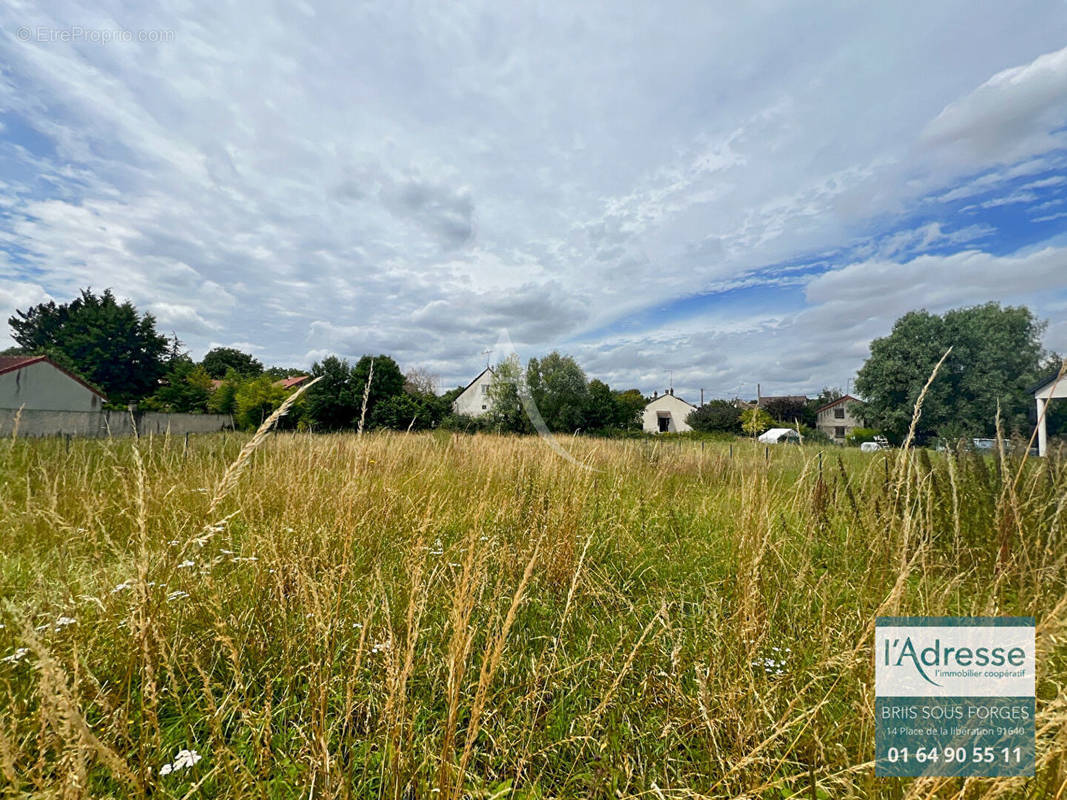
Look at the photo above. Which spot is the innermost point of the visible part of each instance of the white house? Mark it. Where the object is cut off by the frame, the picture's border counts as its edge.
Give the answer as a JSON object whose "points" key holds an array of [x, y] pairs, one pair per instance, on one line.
{"points": [[37, 383], [1052, 388], [666, 413], [836, 419], [474, 401]]}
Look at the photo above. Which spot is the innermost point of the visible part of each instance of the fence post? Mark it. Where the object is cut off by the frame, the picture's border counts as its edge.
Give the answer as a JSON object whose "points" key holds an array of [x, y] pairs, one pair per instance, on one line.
{"points": [[185, 448], [767, 453], [820, 465]]}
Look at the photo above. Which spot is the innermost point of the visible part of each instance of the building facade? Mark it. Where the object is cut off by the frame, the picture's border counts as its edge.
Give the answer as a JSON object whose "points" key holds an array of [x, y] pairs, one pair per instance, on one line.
{"points": [[666, 413], [474, 400], [837, 419], [36, 383]]}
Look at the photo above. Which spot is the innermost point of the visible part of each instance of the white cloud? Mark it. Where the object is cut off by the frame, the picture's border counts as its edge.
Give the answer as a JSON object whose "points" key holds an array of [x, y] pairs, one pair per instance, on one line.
{"points": [[1011, 115], [376, 177]]}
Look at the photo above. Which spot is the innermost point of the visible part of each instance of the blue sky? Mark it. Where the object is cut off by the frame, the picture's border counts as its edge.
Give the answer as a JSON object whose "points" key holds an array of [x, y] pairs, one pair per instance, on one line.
{"points": [[732, 193]]}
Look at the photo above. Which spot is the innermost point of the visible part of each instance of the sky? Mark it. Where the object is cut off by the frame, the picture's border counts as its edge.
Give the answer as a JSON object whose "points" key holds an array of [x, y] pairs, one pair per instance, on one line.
{"points": [[714, 194]]}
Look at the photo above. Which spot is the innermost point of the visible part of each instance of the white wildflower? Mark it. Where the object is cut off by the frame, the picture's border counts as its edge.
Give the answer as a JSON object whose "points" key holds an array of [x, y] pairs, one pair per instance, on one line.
{"points": [[178, 595], [63, 622], [17, 656], [771, 665], [184, 760], [122, 587], [187, 563]]}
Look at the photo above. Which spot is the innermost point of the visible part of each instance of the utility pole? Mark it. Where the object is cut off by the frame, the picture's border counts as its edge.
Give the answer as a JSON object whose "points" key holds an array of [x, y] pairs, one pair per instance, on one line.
{"points": [[701, 397]]}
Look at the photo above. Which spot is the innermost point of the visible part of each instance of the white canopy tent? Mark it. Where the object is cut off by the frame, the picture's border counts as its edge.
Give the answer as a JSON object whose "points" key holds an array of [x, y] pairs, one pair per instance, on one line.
{"points": [[777, 435], [1052, 388]]}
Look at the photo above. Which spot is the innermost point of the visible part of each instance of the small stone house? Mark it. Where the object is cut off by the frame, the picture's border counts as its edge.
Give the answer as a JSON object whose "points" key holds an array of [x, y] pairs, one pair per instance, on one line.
{"points": [[837, 418]]}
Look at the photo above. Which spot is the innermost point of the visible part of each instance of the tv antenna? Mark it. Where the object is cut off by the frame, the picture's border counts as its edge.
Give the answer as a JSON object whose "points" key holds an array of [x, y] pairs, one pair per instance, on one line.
{"points": [[486, 352]]}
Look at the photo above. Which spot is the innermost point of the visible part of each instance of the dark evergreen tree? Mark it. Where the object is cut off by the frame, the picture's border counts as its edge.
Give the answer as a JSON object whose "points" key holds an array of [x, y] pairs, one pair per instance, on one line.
{"points": [[107, 342]]}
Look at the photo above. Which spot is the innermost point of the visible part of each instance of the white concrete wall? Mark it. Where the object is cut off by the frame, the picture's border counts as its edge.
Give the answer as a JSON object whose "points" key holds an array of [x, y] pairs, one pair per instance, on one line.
{"points": [[676, 410], [42, 387], [474, 401], [107, 423], [828, 423]]}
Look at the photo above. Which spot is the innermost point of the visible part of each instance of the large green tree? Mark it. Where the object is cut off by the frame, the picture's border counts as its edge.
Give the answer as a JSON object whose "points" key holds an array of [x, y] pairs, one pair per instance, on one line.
{"points": [[789, 410], [387, 382], [630, 406], [602, 411], [107, 342], [186, 388], [560, 390], [607, 409], [220, 360], [506, 413], [333, 403], [996, 354], [716, 415], [256, 399]]}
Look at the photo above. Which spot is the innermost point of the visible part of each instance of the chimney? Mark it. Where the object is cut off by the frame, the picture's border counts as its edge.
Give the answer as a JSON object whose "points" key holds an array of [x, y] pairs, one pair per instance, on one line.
{"points": [[655, 394]]}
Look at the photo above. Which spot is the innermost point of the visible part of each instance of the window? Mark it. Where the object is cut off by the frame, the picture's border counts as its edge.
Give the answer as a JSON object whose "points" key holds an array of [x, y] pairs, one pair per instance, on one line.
{"points": [[483, 408], [839, 432], [839, 412], [485, 389], [664, 424]]}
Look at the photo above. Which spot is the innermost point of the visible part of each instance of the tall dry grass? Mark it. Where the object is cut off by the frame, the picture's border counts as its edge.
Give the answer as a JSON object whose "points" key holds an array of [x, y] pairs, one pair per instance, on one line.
{"points": [[449, 616]]}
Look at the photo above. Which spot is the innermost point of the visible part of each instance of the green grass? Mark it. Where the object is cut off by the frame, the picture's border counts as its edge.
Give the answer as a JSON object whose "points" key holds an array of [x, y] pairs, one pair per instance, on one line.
{"points": [[448, 615]]}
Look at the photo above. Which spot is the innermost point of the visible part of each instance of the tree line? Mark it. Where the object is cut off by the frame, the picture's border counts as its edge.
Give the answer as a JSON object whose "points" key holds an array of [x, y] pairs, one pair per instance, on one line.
{"points": [[995, 356]]}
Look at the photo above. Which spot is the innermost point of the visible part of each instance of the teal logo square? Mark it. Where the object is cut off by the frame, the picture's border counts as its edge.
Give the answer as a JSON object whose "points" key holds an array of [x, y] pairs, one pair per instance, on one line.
{"points": [[954, 696]]}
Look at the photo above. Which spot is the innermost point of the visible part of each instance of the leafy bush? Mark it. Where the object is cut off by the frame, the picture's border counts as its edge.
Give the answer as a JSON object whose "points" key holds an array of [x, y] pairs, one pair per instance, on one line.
{"points": [[716, 415], [858, 436], [755, 421]]}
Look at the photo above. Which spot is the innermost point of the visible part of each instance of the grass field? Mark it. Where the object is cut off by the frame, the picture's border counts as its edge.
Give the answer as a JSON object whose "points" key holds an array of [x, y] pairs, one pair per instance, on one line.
{"points": [[473, 616]]}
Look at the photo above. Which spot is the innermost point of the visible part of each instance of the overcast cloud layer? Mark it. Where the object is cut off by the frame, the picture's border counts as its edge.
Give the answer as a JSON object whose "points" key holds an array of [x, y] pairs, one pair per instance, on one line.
{"points": [[738, 192]]}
